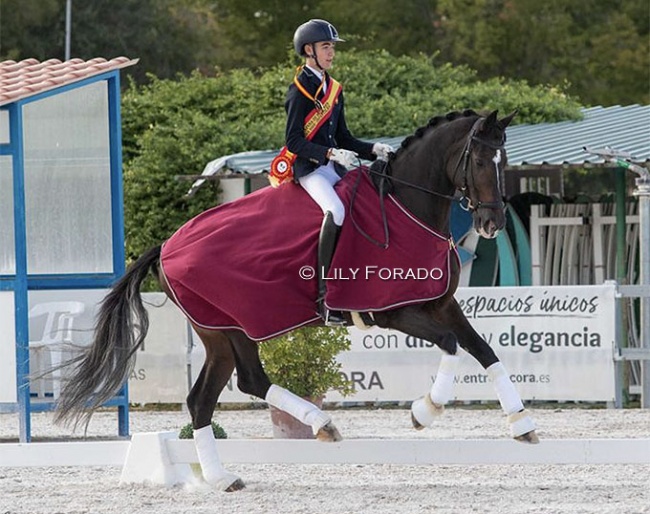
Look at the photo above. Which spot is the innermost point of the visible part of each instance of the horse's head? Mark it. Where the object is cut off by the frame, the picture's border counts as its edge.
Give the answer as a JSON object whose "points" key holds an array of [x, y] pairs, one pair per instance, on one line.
{"points": [[478, 173], [458, 152]]}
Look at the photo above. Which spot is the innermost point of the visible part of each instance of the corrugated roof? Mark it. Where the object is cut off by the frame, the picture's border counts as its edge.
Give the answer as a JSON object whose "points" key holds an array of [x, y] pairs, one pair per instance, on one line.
{"points": [[545, 144], [22, 79], [561, 144]]}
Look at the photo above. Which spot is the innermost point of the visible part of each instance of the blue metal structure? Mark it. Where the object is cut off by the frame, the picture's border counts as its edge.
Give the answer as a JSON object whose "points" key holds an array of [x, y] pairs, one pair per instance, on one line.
{"points": [[22, 282]]}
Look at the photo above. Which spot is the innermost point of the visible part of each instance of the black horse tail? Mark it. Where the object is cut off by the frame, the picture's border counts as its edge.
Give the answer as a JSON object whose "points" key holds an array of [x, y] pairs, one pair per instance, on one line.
{"points": [[121, 326]]}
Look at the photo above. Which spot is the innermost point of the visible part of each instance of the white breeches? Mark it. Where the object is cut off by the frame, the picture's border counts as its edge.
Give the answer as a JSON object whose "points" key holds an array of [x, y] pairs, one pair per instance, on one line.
{"points": [[319, 184]]}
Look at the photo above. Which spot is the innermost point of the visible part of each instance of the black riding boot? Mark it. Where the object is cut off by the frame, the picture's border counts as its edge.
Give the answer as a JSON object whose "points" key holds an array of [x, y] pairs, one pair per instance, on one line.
{"points": [[329, 235]]}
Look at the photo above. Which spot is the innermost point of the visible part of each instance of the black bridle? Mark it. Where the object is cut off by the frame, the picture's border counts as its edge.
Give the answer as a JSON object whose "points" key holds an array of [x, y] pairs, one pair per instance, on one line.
{"points": [[463, 163]]}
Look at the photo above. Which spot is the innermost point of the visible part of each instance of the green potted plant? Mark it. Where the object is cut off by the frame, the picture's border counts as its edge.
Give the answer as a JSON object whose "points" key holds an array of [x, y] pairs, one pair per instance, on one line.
{"points": [[304, 362]]}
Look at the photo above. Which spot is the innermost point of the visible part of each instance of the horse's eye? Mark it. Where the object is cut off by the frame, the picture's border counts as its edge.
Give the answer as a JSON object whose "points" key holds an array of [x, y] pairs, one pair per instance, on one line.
{"points": [[480, 163]]}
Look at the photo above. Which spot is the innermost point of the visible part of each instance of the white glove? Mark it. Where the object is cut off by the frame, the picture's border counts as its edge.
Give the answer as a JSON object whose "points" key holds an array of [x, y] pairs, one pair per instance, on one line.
{"points": [[382, 150], [343, 157]]}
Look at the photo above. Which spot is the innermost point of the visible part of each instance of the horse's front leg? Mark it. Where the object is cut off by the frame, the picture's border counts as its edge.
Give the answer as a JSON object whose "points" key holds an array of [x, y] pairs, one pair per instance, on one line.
{"points": [[444, 324], [522, 426], [418, 322]]}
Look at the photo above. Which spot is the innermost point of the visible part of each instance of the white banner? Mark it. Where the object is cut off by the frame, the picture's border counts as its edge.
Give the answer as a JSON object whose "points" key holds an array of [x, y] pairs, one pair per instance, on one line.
{"points": [[557, 343], [8, 390], [162, 363]]}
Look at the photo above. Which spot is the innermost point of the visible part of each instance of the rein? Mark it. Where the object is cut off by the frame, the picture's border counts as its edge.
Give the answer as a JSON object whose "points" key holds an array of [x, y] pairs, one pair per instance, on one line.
{"points": [[463, 162]]}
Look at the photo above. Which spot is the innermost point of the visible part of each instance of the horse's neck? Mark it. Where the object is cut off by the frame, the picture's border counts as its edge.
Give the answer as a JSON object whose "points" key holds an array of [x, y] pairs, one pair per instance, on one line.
{"points": [[427, 167]]}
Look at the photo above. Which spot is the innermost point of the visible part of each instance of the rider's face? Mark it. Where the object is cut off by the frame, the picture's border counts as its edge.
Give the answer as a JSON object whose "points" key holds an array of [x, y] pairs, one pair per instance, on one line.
{"points": [[325, 51]]}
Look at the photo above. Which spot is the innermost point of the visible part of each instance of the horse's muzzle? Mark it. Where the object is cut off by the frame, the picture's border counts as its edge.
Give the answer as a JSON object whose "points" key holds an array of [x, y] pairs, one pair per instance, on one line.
{"points": [[488, 222]]}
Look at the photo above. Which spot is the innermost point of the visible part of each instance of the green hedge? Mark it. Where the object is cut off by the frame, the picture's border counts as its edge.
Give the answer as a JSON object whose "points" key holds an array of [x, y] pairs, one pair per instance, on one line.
{"points": [[175, 127]]}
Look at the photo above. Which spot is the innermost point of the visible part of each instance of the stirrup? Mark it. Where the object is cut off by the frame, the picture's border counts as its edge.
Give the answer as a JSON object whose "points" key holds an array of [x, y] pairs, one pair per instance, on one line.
{"points": [[334, 319], [331, 318]]}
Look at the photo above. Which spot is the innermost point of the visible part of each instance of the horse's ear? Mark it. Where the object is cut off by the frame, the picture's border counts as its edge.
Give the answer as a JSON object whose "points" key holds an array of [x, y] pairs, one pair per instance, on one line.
{"points": [[491, 120], [504, 122]]}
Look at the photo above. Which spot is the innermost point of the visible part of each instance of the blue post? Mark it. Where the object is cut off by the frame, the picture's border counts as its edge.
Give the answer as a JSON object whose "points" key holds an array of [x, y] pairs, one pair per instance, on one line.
{"points": [[117, 215], [20, 284]]}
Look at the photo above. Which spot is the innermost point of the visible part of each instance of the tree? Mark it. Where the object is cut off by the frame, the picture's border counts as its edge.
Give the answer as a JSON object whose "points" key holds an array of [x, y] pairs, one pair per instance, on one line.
{"points": [[598, 47], [30, 28], [168, 36]]}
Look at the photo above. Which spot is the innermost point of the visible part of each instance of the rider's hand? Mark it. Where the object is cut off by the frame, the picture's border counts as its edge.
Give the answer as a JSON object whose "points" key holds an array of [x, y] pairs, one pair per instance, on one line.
{"points": [[344, 157], [382, 150]]}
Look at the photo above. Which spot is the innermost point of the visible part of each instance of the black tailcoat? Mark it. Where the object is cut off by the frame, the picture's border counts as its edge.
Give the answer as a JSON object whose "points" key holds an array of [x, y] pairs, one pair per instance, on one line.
{"points": [[333, 133]]}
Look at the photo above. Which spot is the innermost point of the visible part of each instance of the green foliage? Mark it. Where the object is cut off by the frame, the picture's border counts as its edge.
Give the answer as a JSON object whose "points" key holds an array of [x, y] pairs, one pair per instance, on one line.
{"points": [[599, 48], [187, 432], [175, 127], [304, 361], [168, 36]]}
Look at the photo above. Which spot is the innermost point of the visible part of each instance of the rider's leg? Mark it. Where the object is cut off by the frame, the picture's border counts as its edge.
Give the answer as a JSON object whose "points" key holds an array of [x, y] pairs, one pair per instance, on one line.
{"points": [[320, 186]]}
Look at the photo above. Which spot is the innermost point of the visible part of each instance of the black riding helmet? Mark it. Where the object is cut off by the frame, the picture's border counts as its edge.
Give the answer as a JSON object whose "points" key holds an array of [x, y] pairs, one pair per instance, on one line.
{"points": [[314, 31]]}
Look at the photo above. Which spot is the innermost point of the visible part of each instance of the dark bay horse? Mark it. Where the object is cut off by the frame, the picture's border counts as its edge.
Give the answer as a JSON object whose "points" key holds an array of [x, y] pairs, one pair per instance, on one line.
{"points": [[458, 154]]}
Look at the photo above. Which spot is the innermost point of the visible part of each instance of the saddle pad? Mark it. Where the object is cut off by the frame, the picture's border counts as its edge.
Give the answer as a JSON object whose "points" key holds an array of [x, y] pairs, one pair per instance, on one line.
{"points": [[251, 264]]}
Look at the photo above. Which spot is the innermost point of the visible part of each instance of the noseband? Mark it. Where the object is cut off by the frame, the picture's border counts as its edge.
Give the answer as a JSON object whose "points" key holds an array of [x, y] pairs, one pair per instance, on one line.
{"points": [[464, 161], [462, 164]]}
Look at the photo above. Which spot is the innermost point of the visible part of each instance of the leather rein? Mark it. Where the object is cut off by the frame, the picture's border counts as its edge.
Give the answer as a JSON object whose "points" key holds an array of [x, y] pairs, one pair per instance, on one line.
{"points": [[463, 162]]}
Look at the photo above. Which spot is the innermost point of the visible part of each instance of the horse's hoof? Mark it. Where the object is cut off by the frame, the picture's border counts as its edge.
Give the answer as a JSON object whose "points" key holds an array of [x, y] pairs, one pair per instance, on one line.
{"points": [[329, 434], [529, 437], [416, 423], [237, 485], [225, 481], [424, 412]]}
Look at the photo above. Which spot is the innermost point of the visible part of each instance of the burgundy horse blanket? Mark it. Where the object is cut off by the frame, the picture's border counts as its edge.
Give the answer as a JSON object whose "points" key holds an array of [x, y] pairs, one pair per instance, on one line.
{"points": [[251, 264]]}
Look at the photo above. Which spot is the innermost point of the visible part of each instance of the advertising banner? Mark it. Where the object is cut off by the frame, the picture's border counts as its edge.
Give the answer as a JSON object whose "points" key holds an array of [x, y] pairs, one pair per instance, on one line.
{"points": [[557, 343]]}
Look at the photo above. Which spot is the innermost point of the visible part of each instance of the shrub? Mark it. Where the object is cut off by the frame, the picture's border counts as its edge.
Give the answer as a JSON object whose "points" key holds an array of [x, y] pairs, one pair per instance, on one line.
{"points": [[304, 361], [187, 432]]}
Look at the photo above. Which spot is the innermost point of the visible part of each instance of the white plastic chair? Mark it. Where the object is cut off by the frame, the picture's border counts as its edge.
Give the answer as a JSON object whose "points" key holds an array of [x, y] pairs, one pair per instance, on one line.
{"points": [[56, 339]]}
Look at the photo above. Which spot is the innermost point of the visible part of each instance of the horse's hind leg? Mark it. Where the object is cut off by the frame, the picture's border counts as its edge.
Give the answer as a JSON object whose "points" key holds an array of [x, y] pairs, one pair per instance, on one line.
{"points": [[252, 379], [217, 370]]}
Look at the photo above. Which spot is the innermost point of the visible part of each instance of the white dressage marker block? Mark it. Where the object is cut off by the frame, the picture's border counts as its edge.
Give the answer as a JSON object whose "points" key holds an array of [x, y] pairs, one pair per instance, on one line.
{"points": [[148, 462]]}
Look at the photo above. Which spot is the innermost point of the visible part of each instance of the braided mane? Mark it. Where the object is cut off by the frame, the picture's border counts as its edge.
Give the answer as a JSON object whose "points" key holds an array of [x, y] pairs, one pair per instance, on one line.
{"points": [[435, 122]]}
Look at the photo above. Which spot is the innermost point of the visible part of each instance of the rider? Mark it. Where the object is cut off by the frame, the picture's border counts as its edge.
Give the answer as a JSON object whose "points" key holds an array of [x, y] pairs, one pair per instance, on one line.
{"points": [[322, 152]]}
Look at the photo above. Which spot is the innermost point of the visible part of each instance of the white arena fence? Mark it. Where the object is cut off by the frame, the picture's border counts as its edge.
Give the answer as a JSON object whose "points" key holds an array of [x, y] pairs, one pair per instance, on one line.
{"points": [[161, 458]]}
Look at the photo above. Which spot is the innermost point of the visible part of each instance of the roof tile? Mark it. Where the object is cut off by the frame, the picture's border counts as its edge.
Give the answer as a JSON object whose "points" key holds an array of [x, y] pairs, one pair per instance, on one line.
{"points": [[22, 79]]}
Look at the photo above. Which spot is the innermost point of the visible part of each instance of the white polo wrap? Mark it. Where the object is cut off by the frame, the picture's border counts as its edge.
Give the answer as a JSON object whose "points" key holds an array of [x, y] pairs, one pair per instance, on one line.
{"points": [[304, 411], [213, 471]]}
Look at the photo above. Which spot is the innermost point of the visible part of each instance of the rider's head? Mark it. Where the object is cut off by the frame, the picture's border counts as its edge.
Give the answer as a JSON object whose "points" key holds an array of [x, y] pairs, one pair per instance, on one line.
{"points": [[314, 32]]}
